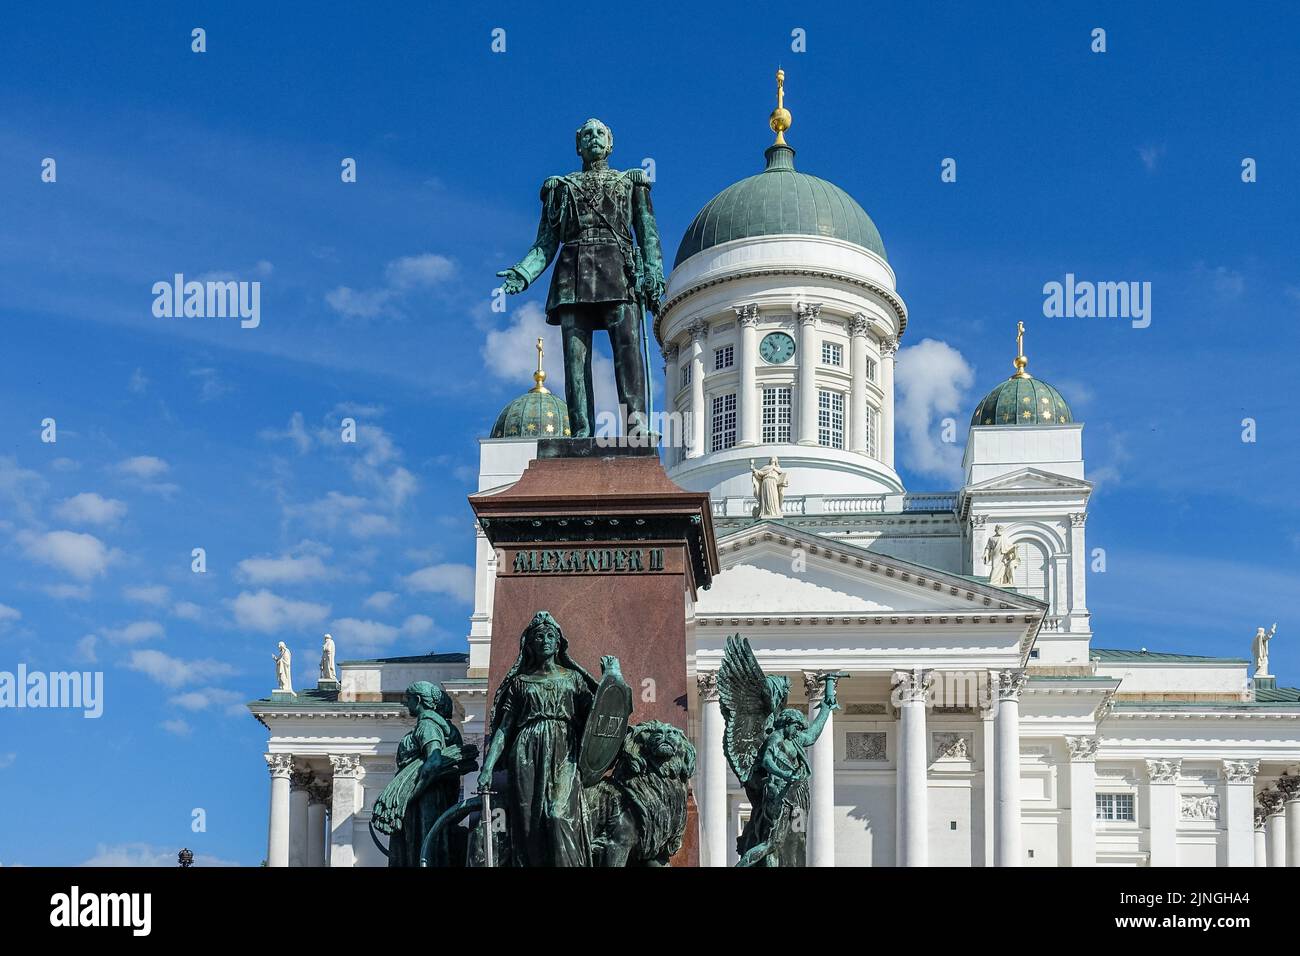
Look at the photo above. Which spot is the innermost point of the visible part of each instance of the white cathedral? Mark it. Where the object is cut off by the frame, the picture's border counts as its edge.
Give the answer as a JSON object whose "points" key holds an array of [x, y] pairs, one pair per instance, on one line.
{"points": [[981, 725]]}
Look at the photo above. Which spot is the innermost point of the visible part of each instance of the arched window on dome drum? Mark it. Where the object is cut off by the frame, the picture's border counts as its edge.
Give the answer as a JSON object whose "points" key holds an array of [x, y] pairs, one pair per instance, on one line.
{"points": [[776, 415], [723, 434], [1031, 575]]}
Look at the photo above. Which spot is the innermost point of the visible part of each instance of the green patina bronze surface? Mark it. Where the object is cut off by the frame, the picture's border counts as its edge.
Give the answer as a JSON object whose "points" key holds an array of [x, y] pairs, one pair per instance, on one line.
{"points": [[431, 759], [765, 743], [538, 716], [609, 269]]}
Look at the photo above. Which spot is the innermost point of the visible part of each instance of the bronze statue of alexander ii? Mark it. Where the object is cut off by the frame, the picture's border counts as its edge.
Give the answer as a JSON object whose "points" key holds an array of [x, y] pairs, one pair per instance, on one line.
{"points": [[609, 271]]}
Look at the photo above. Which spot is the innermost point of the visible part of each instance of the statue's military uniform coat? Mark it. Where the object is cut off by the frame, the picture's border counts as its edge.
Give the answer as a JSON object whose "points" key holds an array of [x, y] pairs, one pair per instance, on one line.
{"points": [[590, 217]]}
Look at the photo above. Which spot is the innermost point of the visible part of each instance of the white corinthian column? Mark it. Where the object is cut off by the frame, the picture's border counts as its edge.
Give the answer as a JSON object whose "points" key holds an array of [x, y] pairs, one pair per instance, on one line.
{"points": [[808, 355], [699, 330], [750, 405], [1236, 810], [1007, 847], [277, 840], [913, 814], [821, 788], [348, 772], [713, 763], [858, 326]]}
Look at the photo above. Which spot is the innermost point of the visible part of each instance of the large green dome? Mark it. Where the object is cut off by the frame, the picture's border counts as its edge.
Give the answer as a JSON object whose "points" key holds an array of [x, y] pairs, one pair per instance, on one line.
{"points": [[1022, 401], [779, 201]]}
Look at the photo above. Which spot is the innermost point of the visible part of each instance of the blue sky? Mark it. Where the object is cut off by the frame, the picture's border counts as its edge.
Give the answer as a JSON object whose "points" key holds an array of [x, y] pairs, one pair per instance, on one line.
{"points": [[183, 433]]}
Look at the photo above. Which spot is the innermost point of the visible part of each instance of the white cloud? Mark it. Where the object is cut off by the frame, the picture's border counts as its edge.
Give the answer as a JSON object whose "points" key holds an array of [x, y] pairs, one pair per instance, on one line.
{"points": [[362, 637], [349, 513], [427, 269], [143, 471], [155, 594], [144, 467], [20, 489], [295, 432], [7, 760], [187, 611], [211, 697], [285, 569], [138, 382], [381, 600], [64, 464], [144, 854], [68, 592], [269, 613], [401, 276], [91, 508], [932, 378], [180, 728], [82, 556], [8, 615], [85, 650], [417, 624], [454, 580], [173, 672], [133, 633], [211, 387]]}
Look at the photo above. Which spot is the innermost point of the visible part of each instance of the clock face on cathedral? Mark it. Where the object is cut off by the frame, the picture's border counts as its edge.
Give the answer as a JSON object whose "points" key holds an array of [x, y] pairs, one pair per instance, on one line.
{"points": [[776, 348]]}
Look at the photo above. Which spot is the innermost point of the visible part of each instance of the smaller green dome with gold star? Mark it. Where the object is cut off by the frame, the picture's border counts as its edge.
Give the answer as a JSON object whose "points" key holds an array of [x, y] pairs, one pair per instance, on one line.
{"points": [[535, 414], [1022, 399]]}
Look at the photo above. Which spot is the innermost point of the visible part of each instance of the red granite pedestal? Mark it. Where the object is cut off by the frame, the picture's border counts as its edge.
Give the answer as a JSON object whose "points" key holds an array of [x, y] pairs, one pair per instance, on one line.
{"points": [[614, 550]]}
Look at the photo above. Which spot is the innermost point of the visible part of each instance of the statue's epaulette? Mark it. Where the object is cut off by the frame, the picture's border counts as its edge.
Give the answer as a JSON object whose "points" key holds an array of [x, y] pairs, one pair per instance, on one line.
{"points": [[550, 183], [637, 177]]}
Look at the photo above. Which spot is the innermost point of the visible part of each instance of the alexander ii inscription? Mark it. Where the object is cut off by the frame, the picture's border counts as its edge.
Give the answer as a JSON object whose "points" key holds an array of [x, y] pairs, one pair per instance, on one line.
{"points": [[588, 561]]}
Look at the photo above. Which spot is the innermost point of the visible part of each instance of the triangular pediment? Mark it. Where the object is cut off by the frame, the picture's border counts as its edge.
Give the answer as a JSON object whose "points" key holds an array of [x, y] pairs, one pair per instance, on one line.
{"points": [[770, 568], [1031, 479]]}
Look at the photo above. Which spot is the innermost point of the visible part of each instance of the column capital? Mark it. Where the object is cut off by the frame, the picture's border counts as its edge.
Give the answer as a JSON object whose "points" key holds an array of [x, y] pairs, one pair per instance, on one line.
{"points": [[347, 766], [814, 683], [807, 312], [888, 348], [1288, 786], [1272, 801], [1010, 684], [1240, 771], [1261, 815], [746, 315], [1164, 771], [858, 326], [911, 686], [1083, 749], [301, 779], [1078, 519], [279, 765], [699, 330], [707, 682], [977, 520]]}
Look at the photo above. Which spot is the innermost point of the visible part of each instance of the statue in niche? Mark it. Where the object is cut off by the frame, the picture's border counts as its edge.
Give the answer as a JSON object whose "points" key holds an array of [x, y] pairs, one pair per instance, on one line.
{"points": [[1259, 649], [765, 744], [327, 659], [540, 726], [770, 483], [431, 759], [283, 668]]}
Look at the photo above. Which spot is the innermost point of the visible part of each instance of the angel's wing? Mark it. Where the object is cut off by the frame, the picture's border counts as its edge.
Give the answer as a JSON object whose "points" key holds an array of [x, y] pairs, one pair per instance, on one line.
{"points": [[747, 706]]}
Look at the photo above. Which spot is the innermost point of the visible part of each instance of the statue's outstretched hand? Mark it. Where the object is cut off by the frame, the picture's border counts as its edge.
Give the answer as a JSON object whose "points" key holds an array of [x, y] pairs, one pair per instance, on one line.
{"points": [[513, 283], [609, 665]]}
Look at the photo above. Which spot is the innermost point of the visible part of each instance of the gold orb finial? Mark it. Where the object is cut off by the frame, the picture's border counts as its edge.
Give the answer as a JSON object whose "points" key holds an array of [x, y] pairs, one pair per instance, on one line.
{"points": [[780, 121], [539, 376], [1021, 361]]}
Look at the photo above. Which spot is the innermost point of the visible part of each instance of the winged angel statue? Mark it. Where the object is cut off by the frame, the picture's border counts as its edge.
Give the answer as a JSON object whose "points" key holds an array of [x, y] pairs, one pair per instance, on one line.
{"points": [[765, 742]]}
